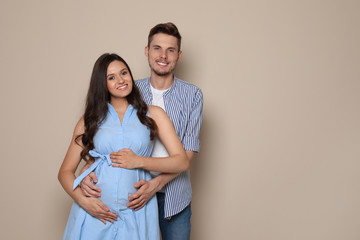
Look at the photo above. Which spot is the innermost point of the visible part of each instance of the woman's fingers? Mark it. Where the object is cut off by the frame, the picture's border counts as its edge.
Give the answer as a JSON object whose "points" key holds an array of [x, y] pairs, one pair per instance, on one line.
{"points": [[116, 157]]}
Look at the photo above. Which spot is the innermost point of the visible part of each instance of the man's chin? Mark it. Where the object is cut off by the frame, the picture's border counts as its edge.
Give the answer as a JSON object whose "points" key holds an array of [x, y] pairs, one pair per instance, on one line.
{"points": [[162, 74]]}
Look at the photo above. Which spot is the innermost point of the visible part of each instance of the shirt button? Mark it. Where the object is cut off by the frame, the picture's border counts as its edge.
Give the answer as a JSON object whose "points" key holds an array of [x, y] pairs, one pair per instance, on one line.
{"points": [[114, 201], [115, 182], [115, 229]]}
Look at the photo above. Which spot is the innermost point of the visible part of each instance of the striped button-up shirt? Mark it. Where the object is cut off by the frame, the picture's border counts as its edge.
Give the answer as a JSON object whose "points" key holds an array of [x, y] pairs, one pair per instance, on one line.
{"points": [[183, 103]]}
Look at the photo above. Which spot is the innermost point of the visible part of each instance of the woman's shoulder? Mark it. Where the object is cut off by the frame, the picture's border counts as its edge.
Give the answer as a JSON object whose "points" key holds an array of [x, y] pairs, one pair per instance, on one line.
{"points": [[156, 112], [80, 126]]}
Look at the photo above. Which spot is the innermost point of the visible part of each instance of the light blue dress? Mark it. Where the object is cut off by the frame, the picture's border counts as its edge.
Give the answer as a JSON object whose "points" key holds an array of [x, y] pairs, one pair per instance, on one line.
{"points": [[117, 184]]}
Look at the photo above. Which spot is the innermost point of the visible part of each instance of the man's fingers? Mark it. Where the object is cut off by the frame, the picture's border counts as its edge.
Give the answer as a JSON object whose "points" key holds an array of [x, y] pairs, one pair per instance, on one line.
{"points": [[103, 206], [94, 193], [94, 187], [107, 213], [140, 191], [133, 203], [139, 183], [109, 216], [89, 191], [135, 195], [110, 220], [85, 192], [88, 185], [93, 177], [140, 205], [104, 213]]}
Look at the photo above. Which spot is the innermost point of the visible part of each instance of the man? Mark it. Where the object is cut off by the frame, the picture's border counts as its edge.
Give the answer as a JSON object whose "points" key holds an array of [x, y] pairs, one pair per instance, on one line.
{"points": [[183, 103]]}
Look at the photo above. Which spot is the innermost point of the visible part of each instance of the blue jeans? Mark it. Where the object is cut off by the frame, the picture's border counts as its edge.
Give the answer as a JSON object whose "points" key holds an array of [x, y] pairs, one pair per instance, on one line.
{"points": [[176, 228]]}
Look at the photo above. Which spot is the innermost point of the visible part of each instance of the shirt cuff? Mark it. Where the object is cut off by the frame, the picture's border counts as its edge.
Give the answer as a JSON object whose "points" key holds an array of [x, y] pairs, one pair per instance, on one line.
{"points": [[191, 144]]}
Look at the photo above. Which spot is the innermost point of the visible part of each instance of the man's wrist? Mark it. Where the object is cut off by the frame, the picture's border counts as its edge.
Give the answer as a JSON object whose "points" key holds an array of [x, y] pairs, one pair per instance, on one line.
{"points": [[157, 183]]}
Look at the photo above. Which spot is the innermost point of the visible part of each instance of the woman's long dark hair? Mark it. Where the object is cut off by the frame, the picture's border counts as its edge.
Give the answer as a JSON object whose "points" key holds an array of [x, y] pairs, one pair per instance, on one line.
{"points": [[96, 103]]}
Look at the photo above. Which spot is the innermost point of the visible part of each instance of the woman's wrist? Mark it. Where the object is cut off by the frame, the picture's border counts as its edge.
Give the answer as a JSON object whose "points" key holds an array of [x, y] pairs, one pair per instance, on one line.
{"points": [[140, 162], [80, 198]]}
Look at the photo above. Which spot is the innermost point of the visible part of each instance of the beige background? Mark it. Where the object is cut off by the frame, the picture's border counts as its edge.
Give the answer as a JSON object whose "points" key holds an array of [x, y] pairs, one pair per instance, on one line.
{"points": [[280, 142]]}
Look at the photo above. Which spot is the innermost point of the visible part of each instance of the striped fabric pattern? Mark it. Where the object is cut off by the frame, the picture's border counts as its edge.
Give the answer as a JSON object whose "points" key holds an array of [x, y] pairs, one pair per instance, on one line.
{"points": [[184, 104]]}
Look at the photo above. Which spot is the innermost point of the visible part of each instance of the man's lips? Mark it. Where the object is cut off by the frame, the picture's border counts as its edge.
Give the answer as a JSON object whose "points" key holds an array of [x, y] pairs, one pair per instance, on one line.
{"points": [[162, 63]]}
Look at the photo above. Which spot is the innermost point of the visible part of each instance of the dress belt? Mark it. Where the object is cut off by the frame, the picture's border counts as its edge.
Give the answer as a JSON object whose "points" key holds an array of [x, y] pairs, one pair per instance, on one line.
{"points": [[99, 159]]}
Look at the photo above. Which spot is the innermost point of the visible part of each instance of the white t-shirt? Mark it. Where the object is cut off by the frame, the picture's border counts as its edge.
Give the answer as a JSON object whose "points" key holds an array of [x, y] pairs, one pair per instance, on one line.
{"points": [[159, 149]]}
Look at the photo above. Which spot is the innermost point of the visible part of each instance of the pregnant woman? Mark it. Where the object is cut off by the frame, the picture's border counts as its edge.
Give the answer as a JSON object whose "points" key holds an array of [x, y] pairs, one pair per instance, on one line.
{"points": [[116, 119]]}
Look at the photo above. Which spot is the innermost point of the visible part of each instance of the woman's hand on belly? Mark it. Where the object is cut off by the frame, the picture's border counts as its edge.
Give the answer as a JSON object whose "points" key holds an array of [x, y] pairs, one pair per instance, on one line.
{"points": [[126, 158]]}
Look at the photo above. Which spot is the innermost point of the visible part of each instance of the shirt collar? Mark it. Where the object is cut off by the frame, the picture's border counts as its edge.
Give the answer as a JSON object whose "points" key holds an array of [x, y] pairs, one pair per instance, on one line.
{"points": [[173, 86]]}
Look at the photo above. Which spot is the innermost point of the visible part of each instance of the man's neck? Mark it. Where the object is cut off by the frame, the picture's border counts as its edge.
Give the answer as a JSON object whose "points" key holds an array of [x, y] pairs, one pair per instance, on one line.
{"points": [[161, 82]]}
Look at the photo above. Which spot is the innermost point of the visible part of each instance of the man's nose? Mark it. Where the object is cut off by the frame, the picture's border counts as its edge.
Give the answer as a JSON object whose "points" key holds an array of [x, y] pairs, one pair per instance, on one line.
{"points": [[164, 54]]}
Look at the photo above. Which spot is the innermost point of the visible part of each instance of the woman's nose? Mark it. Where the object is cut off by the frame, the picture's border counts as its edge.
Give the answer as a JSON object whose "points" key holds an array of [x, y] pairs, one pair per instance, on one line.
{"points": [[120, 79]]}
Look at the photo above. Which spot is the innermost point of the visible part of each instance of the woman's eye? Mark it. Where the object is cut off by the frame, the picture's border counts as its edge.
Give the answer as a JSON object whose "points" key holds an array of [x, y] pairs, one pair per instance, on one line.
{"points": [[124, 73], [110, 78]]}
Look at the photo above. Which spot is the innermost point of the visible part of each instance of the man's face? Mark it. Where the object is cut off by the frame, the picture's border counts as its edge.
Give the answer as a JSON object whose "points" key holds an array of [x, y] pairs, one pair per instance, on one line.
{"points": [[163, 54]]}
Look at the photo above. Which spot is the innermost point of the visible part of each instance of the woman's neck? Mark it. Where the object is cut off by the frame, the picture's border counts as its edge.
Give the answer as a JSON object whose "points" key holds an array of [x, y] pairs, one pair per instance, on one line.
{"points": [[120, 105]]}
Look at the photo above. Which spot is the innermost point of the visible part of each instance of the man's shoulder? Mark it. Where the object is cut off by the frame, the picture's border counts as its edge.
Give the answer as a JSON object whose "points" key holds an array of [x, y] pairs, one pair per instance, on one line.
{"points": [[187, 86], [142, 82]]}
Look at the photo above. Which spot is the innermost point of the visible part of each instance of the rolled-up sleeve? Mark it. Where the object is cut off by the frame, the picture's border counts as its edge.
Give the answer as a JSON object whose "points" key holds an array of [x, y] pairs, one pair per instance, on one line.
{"points": [[191, 141]]}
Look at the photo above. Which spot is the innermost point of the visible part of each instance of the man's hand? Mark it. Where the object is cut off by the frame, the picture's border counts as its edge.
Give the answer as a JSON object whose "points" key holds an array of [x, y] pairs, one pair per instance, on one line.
{"points": [[146, 190], [88, 188], [97, 209]]}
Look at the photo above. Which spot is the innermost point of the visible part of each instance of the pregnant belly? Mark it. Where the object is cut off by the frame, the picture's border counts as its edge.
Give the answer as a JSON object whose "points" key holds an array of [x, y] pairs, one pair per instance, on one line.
{"points": [[116, 185]]}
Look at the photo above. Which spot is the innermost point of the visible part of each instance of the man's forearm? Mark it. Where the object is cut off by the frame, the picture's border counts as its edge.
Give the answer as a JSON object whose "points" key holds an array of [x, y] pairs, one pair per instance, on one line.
{"points": [[162, 179]]}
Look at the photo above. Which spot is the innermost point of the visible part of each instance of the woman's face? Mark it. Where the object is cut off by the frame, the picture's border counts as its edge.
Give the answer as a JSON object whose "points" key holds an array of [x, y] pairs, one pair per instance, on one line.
{"points": [[118, 80]]}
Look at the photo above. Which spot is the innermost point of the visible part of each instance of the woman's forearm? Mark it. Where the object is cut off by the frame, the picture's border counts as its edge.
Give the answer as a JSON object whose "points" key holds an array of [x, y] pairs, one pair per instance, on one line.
{"points": [[172, 164], [175, 163], [66, 178]]}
